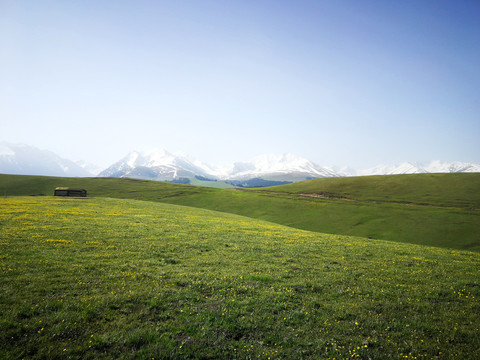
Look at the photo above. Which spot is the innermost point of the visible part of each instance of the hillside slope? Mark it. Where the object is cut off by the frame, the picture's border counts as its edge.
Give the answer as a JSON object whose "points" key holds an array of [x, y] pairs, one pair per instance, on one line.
{"points": [[24, 159], [374, 215], [120, 279], [14, 185], [455, 190]]}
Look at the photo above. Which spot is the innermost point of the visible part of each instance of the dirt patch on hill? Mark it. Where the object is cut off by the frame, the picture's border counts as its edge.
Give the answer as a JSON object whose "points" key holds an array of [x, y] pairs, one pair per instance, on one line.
{"points": [[325, 196]]}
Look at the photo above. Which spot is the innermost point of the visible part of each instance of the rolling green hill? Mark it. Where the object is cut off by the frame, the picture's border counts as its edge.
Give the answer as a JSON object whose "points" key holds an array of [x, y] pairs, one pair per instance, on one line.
{"points": [[14, 185], [104, 278], [456, 190], [433, 209]]}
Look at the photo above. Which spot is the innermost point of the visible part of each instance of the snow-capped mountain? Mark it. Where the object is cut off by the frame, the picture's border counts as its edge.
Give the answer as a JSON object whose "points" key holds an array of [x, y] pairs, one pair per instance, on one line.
{"points": [[288, 167], [418, 168], [27, 160], [453, 167], [162, 165], [403, 168], [155, 165]]}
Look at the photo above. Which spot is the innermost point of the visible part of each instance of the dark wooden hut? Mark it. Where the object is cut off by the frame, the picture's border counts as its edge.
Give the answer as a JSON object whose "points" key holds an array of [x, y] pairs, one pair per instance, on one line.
{"points": [[62, 191]]}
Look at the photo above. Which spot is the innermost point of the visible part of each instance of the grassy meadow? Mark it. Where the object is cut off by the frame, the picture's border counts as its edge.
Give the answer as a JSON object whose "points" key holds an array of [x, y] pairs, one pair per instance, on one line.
{"points": [[105, 278], [429, 209], [460, 190]]}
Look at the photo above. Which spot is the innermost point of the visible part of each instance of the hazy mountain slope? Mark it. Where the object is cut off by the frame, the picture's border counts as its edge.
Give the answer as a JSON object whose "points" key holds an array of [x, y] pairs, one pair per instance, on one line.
{"points": [[28, 160], [452, 167], [93, 169], [418, 168]]}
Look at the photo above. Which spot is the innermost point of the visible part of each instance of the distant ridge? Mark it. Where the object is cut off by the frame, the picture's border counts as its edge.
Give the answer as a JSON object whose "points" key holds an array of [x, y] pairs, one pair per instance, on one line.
{"points": [[418, 168], [288, 167], [162, 165], [22, 159], [155, 165]]}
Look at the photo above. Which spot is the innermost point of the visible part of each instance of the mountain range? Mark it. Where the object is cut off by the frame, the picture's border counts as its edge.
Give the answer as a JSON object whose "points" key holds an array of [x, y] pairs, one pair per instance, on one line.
{"points": [[418, 168], [27, 160], [162, 165], [165, 166]]}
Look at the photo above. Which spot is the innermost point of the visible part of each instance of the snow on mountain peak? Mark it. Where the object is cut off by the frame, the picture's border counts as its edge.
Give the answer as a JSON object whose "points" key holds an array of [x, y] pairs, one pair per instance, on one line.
{"points": [[275, 166], [159, 164], [158, 157], [403, 168], [435, 166], [132, 158], [273, 162], [155, 164]]}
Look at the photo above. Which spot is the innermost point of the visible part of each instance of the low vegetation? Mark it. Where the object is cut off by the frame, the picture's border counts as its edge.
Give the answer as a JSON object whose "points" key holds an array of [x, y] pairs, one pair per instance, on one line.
{"points": [[460, 190], [100, 278], [430, 209]]}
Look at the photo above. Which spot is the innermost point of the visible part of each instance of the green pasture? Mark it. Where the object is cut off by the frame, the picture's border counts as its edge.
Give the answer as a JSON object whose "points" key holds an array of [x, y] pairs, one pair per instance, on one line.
{"points": [[460, 190], [436, 226], [430, 209], [105, 278]]}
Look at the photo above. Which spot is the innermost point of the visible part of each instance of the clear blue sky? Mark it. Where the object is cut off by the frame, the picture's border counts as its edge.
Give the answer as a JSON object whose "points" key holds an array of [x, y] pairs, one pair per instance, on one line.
{"points": [[355, 83]]}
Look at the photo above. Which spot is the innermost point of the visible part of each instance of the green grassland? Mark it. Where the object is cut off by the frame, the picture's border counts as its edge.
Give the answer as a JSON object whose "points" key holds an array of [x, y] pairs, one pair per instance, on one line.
{"points": [[430, 209], [210, 183], [105, 278], [456, 228], [18, 185], [460, 190]]}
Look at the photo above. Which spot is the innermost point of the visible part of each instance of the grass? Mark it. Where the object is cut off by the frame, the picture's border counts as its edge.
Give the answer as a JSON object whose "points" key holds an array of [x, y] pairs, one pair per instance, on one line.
{"points": [[461, 190], [432, 209], [101, 278], [211, 183], [15, 185], [433, 226]]}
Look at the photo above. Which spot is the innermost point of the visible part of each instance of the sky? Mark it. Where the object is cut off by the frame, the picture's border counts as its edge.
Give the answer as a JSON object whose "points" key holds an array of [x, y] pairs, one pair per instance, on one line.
{"points": [[342, 83]]}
